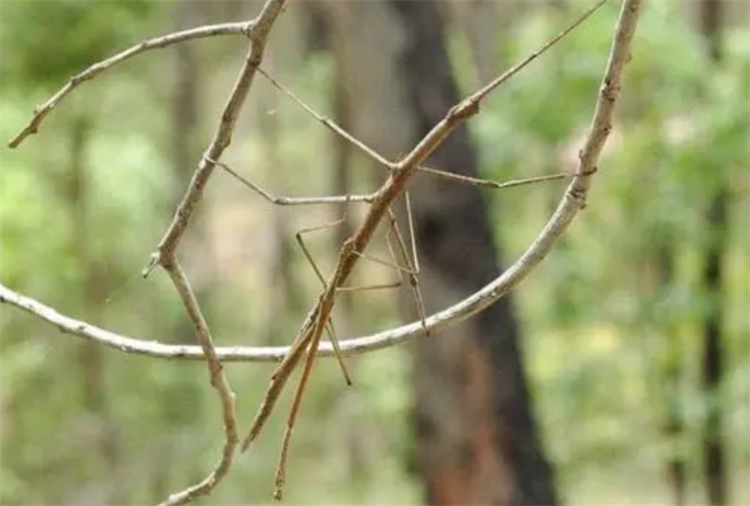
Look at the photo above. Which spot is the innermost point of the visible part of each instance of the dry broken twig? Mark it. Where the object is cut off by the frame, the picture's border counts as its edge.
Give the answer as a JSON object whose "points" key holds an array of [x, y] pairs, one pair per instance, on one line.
{"points": [[218, 380], [257, 31], [41, 111]]}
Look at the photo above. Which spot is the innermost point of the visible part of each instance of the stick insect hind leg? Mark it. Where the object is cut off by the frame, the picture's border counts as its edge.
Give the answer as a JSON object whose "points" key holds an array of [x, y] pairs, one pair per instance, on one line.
{"points": [[329, 326], [411, 271]]}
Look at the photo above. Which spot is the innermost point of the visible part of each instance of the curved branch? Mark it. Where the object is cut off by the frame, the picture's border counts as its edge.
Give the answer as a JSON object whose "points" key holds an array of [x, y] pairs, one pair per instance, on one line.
{"points": [[572, 202], [217, 379], [41, 111]]}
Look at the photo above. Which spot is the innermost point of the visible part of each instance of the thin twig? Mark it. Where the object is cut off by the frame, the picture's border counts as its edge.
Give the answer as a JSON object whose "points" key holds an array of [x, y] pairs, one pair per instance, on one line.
{"points": [[258, 33], [41, 111], [218, 380]]}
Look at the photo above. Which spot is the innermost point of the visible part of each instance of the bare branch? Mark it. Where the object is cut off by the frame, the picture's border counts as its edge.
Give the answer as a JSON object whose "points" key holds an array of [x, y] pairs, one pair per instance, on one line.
{"points": [[218, 380], [489, 294], [258, 33], [41, 111]]}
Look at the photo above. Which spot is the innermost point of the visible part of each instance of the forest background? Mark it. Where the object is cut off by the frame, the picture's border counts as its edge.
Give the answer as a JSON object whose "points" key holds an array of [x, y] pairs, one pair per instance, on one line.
{"points": [[634, 332]]}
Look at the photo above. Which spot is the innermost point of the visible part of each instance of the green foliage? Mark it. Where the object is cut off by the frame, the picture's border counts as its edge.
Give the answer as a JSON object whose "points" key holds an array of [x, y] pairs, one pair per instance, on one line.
{"points": [[680, 134], [78, 34], [600, 324]]}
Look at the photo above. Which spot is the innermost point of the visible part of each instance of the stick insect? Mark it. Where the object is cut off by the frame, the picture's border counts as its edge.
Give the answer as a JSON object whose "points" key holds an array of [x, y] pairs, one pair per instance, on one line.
{"points": [[380, 204], [314, 324]]}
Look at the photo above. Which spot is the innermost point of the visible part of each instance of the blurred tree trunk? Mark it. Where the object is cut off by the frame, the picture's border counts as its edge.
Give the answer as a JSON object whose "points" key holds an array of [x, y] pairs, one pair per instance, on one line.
{"points": [[357, 434], [94, 288], [285, 292], [671, 376], [714, 458], [478, 21], [476, 437], [185, 152]]}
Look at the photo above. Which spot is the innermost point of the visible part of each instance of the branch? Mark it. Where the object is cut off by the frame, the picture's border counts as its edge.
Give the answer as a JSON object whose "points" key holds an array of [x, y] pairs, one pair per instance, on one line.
{"points": [[258, 32], [218, 381], [309, 337], [491, 293], [41, 111]]}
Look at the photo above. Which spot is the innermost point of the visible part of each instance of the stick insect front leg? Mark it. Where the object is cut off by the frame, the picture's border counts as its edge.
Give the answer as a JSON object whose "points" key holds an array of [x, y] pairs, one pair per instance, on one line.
{"points": [[329, 324], [411, 270], [288, 201]]}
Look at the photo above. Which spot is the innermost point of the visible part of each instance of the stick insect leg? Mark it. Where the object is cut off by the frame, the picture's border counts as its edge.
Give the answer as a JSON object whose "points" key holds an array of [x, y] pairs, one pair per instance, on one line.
{"points": [[329, 324], [394, 284], [288, 201], [412, 263], [410, 270], [298, 393], [488, 183], [313, 345]]}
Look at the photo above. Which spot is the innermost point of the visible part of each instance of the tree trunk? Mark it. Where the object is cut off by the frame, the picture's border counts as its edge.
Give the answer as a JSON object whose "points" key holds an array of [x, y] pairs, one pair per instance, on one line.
{"points": [[185, 155], [94, 289], [674, 426], [476, 438], [714, 458]]}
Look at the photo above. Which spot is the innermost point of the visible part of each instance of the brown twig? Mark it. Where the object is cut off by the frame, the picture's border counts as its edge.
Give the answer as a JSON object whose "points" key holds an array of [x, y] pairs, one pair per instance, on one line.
{"points": [[218, 380], [258, 33], [41, 111]]}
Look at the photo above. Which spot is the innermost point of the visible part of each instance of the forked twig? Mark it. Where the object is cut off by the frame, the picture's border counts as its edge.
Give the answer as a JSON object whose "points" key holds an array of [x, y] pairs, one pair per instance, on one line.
{"points": [[258, 33], [41, 111], [218, 380]]}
